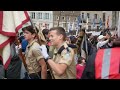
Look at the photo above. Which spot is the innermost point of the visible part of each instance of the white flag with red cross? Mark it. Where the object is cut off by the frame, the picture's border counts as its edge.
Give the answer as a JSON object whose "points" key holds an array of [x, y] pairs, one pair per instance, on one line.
{"points": [[10, 23]]}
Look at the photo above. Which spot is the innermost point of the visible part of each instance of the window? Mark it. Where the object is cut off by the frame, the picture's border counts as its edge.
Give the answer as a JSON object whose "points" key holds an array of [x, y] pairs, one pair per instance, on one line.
{"points": [[57, 18], [95, 16], [39, 15], [33, 15], [72, 11], [75, 18], [68, 18], [83, 15], [89, 27], [98, 27], [46, 15], [63, 18], [103, 17], [88, 15]]}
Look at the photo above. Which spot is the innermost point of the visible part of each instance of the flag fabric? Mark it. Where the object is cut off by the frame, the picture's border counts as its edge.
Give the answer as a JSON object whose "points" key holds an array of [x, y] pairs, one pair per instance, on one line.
{"points": [[87, 23], [100, 22], [70, 27], [41, 28], [84, 47], [73, 26], [93, 23], [107, 24], [78, 24], [10, 23], [78, 20]]}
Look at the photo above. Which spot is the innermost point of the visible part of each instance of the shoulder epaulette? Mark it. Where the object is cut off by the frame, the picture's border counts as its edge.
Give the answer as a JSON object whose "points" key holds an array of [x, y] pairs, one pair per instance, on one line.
{"points": [[62, 48]]}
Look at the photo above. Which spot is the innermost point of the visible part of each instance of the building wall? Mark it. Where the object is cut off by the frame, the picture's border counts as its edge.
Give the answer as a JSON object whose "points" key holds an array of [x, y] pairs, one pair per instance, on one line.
{"points": [[65, 18], [72, 15], [92, 17], [99, 15], [39, 20]]}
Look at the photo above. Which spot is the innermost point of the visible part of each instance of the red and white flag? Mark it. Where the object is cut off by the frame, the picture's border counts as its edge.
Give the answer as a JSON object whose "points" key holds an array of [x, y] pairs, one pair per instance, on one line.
{"points": [[87, 23], [10, 23]]}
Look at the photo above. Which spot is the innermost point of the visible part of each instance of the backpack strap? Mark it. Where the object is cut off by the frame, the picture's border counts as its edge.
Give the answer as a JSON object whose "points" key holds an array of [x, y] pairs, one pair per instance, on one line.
{"points": [[65, 47], [61, 49], [72, 46]]}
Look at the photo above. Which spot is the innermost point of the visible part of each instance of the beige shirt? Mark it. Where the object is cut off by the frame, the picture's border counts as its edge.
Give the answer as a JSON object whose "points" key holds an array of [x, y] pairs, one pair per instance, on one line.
{"points": [[33, 55], [68, 59]]}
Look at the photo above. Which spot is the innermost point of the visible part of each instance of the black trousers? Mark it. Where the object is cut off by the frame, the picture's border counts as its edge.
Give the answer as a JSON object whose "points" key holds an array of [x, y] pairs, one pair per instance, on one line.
{"points": [[35, 75]]}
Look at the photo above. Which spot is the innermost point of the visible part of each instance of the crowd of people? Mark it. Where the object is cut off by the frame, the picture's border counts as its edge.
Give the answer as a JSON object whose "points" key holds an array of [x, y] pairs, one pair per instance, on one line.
{"points": [[51, 54], [103, 63]]}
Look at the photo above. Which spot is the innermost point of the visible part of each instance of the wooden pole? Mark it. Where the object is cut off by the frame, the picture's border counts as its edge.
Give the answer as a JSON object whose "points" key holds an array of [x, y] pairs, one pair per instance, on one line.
{"points": [[59, 18]]}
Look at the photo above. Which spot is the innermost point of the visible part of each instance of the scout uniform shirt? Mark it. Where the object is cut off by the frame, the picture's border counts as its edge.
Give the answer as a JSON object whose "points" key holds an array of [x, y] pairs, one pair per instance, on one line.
{"points": [[33, 55], [65, 58]]}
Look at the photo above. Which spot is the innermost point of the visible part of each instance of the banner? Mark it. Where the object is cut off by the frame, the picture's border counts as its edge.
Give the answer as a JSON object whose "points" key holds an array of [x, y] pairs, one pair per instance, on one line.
{"points": [[10, 23]]}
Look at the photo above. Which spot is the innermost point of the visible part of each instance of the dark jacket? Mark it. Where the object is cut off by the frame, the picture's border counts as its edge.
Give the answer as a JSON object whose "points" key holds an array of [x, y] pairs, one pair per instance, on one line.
{"points": [[14, 69], [89, 71]]}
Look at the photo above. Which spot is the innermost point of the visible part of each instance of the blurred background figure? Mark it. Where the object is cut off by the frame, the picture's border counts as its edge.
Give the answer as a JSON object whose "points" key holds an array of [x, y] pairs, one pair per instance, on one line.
{"points": [[80, 68]]}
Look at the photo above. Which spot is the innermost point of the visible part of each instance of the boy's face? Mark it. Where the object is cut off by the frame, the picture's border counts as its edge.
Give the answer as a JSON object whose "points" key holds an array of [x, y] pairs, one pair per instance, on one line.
{"points": [[28, 35]]}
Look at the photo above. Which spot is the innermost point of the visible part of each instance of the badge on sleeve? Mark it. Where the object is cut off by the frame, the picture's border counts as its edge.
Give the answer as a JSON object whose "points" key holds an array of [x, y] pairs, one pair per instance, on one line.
{"points": [[67, 56]]}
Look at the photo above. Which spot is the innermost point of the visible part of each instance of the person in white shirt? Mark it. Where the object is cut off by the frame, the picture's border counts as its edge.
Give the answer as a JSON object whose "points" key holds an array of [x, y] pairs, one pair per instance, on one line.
{"points": [[102, 41]]}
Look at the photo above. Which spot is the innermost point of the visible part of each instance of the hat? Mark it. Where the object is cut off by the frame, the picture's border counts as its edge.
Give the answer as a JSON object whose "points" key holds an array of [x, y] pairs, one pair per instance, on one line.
{"points": [[101, 37]]}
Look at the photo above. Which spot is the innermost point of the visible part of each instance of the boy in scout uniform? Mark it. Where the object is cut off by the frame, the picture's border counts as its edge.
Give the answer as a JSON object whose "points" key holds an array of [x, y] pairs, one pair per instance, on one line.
{"points": [[36, 65], [62, 63]]}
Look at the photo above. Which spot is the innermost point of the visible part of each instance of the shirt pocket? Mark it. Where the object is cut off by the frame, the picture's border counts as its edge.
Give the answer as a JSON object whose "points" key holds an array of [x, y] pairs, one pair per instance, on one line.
{"points": [[30, 57]]}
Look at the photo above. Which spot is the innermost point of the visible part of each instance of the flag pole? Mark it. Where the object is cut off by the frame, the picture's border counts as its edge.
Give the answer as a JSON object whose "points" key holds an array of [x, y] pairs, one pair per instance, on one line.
{"points": [[59, 18]]}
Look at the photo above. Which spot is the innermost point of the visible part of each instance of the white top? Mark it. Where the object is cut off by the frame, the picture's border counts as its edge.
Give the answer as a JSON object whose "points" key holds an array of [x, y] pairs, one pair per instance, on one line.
{"points": [[101, 37], [101, 43], [18, 48]]}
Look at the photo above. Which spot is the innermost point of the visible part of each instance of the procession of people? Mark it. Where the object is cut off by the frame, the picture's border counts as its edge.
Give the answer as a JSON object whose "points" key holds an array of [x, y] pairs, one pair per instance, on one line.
{"points": [[42, 53]]}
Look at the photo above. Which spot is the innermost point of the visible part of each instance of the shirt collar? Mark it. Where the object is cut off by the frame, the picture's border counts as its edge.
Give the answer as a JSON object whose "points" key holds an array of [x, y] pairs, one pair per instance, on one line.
{"points": [[30, 44], [56, 50]]}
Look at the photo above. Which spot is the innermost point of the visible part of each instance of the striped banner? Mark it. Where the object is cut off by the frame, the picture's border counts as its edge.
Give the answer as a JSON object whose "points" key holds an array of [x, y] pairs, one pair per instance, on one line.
{"points": [[107, 64]]}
